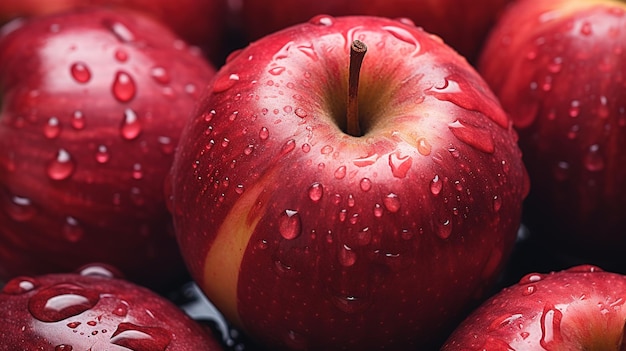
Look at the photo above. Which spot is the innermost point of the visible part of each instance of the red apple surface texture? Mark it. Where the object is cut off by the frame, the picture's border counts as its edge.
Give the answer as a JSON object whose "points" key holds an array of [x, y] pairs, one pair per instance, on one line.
{"points": [[93, 103], [462, 24], [199, 22], [94, 310], [558, 69], [309, 237], [581, 308]]}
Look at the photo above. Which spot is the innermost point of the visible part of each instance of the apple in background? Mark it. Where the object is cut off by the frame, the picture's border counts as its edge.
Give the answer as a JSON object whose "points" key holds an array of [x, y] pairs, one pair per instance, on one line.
{"points": [[94, 310], [317, 221], [558, 69], [199, 22], [581, 308], [93, 103], [462, 24]]}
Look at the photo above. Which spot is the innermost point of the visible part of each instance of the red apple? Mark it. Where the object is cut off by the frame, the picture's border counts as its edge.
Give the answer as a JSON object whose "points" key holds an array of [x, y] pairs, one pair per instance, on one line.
{"points": [[313, 230], [558, 69], [199, 22], [462, 24], [94, 310], [581, 308], [93, 103]]}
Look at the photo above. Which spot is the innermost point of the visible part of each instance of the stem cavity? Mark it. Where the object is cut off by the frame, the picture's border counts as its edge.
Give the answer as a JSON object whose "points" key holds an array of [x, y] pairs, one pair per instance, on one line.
{"points": [[357, 53]]}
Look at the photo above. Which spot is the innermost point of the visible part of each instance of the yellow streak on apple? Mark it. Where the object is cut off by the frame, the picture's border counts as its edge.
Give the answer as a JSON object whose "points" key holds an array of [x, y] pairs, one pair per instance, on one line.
{"points": [[223, 261]]}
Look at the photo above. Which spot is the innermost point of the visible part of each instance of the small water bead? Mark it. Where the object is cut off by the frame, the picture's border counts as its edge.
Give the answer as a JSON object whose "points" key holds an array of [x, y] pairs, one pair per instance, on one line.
{"points": [[594, 161], [306, 147], [61, 167], [574, 109], [72, 231], [347, 257], [20, 208], [343, 214], [276, 71], [63, 347], [316, 192], [436, 185], [61, 301], [378, 210], [225, 82], [326, 150], [19, 285], [529, 290], [52, 129], [322, 20], [137, 173], [102, 154], [166, 145], [123, 87], [160, 75], [289, 146], [586, 29], [264, 133], [365, 184], [340, 172], [445, 229], [139, 338], [121, 55], [290, 224], [551, 337], [300, 112], [392, 203], [80, 72], [120, 30], [78, 120], [400, 164], [555, 65], [497, 203], [424, 147], [131, 126]]}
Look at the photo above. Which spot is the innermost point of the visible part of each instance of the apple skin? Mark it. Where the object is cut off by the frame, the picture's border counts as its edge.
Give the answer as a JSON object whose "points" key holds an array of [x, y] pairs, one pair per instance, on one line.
{"points": [[199, 22], [462, 24], [309, 238], [93, 103], [558, 70], [94, 310], [580, 308]]}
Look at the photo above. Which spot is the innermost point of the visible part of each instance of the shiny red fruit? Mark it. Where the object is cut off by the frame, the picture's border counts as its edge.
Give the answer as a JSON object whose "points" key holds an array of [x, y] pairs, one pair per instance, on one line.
{"points": [[310, 237], [581, 308], [93, 103], [93, 310], [558, 68]]}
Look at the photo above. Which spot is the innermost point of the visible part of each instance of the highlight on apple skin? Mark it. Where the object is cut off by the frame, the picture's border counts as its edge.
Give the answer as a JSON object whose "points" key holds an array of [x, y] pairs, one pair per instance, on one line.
{"points": [[308, 234], [93, 103]]}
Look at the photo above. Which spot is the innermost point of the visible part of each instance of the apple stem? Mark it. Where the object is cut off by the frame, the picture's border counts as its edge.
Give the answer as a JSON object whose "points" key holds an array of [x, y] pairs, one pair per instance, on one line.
{"points": [[357, 52]]}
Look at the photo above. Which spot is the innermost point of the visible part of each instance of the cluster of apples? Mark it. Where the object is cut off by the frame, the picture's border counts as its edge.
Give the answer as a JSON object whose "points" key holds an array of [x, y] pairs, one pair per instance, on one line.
{"points": [[332, 175]]}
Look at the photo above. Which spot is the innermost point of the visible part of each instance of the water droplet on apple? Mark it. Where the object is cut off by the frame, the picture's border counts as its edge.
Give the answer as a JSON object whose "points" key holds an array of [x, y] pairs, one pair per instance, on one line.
{"points": [[594, 161], [300, 112], [102, 154], [351, 304], [365, 184], [475, 137], [343, 214], [306, 147], [561, 171], [160, 75], [19, 285], [555, 65], [444, 229], [529, 289], [400, 164], [276, 71], [503, 321], [404, 36], [121, 32], [326, 150], [551, 338], [72, 231], [137, 173], [340, 172], [290, 224], [264, 133], [364, 237], [392, 203], [166, 145], [573, 132], [61, 301], [497, 203], [52, 129], [61, 167], [378, 210], [20, 208], [123, 87], [347, 257], [121, 55], [141, 338], [131, 127], [316, 191], [78, 120], [121, 309], [586, 29], [530, 278], [289, 146], [225, 82], [80, 72], [63, 347], [574, 108], [322, 20], [423, 146], [436, 185]]}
